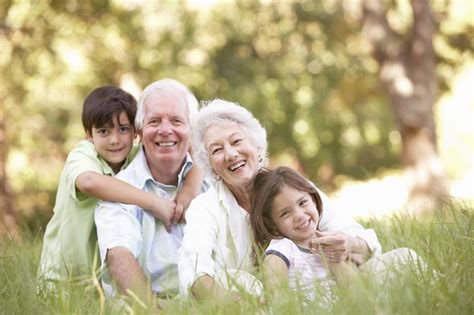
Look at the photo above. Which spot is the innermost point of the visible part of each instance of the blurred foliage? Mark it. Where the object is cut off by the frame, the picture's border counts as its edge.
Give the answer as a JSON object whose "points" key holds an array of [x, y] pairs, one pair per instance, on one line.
{"points": [[302, 68]]}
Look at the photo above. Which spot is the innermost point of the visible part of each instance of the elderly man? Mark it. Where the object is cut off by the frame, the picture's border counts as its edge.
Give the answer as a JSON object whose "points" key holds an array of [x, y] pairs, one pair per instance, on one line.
{"points": [[139, 251]]}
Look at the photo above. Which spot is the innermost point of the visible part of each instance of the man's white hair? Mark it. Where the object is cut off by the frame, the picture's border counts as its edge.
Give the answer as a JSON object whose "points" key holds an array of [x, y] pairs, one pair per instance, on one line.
{"points": [[222, 112], [167, 86]]}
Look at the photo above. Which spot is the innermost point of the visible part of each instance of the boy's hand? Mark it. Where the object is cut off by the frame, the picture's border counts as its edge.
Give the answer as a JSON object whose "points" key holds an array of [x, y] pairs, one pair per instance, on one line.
{"points": [[165, 210], [183, 199]]}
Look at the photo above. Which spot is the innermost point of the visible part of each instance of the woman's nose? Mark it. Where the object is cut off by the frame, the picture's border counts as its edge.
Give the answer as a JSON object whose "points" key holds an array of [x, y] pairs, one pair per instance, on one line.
{"points": [[230, 153]]}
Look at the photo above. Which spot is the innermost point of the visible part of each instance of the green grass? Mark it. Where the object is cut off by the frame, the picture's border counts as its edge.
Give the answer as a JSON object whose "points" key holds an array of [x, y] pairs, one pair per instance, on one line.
{"points": [[445, 241]]}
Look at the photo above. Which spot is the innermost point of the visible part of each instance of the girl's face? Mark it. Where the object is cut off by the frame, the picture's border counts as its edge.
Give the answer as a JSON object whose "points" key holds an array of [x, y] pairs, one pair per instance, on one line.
{"points": [[295, 215]]}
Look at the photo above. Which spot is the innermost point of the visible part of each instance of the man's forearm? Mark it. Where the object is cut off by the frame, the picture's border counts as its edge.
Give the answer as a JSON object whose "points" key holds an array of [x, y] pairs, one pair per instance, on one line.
{"points": [[127, 273]]}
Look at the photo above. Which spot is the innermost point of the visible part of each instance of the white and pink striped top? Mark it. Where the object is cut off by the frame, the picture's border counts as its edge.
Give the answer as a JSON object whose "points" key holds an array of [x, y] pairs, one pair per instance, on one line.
{"points": [[304, 268]]}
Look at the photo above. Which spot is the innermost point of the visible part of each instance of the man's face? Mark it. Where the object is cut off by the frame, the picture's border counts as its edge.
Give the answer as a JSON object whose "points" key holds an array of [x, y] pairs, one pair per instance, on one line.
{"points": [[165, 132]]}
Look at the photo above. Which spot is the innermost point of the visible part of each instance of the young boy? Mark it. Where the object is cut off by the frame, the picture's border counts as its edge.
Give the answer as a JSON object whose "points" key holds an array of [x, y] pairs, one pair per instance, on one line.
{"points": [[70, 238]]}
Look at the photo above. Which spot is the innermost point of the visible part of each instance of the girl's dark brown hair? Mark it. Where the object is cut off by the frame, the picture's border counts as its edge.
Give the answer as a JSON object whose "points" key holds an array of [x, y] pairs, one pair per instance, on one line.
{"points": [[266, 186]]}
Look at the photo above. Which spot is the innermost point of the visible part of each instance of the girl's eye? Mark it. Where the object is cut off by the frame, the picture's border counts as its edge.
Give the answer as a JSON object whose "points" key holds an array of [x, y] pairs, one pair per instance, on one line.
{"points": [[284, 214], [303, 202]]}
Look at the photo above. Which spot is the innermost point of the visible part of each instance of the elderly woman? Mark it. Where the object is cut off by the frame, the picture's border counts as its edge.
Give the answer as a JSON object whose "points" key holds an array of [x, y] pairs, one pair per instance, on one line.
{"points": [[230, 145]]}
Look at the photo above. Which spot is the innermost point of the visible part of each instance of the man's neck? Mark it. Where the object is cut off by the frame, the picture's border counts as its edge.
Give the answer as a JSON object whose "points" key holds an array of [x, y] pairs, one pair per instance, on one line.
{"points": [[165, 173]]}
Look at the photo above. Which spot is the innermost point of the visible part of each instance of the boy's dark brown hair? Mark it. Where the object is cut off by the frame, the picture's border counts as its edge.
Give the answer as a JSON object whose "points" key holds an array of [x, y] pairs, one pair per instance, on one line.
{"points": [[103, 104], [266, 186]]}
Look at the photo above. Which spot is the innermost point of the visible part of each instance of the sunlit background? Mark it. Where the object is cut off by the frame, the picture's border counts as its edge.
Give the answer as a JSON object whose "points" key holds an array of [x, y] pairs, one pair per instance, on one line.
{"points": [[305, 69]]}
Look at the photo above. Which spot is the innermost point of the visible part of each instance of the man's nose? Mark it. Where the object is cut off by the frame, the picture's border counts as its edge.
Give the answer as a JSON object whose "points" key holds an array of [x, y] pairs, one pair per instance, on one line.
{"points": [[165, 128]]}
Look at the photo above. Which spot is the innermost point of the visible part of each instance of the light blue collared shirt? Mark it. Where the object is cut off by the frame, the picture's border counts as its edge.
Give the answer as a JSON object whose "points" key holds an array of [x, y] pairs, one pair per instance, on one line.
{"points": [[137, 230]]}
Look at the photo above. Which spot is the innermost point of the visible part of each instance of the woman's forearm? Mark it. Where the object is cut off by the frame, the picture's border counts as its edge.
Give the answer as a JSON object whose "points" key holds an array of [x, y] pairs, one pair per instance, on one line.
{"points": [[205, 288]]}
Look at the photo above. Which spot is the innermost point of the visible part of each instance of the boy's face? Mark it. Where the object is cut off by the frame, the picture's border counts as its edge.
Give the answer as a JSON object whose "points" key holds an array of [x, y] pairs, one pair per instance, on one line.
{"points": [[113, 142]]}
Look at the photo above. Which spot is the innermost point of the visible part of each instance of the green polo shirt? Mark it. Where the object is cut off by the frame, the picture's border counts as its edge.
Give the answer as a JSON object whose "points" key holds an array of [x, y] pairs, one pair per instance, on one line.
{"points": [[70, 239]]}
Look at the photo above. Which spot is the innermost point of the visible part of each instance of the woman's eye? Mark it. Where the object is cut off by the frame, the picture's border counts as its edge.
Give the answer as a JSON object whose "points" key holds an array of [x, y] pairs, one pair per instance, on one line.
{"points": [[216, 150], [237, 141], [303, 202]]}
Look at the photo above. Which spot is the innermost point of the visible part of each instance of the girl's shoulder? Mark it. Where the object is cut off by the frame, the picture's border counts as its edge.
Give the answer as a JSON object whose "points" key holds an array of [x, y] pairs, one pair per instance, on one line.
{"points": [[281, 244]]}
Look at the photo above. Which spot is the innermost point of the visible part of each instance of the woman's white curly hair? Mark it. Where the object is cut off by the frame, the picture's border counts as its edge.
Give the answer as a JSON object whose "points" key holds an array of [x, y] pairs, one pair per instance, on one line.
{"points": [[217, 112]]}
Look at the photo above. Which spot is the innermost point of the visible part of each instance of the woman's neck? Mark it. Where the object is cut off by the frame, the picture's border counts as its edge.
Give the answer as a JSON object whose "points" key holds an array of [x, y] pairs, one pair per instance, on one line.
{"points": [[242, 196]]}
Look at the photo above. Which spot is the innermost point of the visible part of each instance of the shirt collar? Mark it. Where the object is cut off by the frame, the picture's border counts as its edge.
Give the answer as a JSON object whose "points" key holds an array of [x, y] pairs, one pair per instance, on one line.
{"points": [[225, 196], [143, 173]]}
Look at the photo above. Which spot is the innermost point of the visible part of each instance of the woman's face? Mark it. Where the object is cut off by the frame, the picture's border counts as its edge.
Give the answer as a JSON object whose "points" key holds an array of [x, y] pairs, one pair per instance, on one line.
{"points": [[232, 154]]}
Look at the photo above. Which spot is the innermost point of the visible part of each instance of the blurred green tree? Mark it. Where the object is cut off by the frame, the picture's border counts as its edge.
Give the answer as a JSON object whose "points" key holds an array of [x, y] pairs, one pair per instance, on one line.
{"points": [[303, 68]]}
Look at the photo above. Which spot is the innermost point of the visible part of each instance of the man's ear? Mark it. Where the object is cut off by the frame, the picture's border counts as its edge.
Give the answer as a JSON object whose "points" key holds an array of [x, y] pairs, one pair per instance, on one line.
{"points": [[140, 134]]}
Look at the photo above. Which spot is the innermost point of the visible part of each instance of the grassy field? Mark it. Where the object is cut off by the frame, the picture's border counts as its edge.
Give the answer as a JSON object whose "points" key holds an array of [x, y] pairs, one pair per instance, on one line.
{"points": [[445, 241]]}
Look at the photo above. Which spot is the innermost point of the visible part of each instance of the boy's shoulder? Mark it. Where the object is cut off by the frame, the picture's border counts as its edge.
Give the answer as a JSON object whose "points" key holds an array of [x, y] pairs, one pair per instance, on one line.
{"points": [[84, 147], [84, 157]]}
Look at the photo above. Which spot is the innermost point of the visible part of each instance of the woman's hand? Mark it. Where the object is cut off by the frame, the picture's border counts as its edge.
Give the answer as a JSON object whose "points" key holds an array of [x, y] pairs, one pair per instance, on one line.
{"points": [[339, 246]]}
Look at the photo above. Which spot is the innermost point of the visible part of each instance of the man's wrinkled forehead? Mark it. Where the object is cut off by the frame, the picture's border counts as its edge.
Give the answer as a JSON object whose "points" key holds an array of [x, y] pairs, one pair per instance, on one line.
{"points": [[162, 97]]}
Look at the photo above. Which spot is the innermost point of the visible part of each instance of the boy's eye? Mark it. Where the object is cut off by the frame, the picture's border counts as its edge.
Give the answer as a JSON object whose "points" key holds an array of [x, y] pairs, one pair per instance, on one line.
{"points": [[102, 131], [124, 129]]}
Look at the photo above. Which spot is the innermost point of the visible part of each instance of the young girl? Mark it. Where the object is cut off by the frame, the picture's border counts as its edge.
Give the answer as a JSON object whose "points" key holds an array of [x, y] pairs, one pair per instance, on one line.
{"points": [[286, 209]]}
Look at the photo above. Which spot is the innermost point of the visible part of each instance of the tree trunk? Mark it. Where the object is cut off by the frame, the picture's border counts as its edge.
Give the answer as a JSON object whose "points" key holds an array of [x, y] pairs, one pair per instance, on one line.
{"points": [[9, 226], [407, 68]]}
